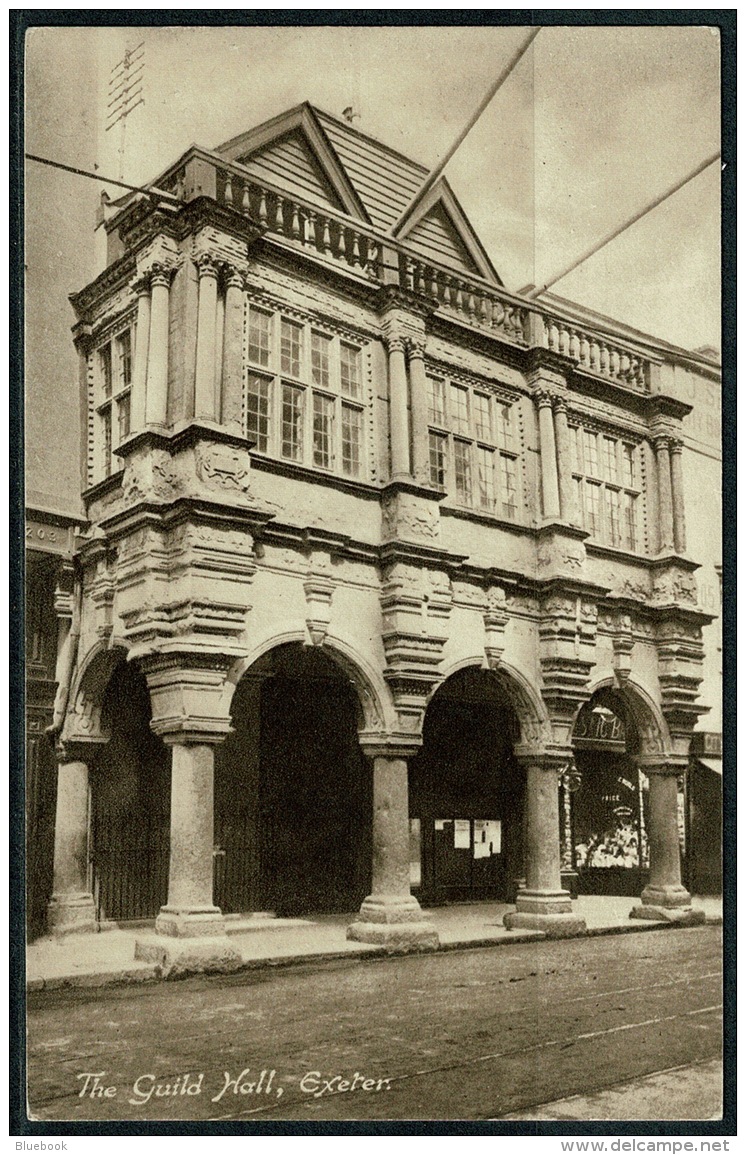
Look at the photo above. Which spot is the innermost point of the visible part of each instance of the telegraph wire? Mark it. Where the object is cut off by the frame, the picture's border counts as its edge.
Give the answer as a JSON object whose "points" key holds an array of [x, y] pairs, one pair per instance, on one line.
{"points": [[153, 192]]}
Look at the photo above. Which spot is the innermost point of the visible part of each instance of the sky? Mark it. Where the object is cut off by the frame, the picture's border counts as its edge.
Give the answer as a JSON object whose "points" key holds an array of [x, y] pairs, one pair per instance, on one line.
{"points": [[593, 124]]}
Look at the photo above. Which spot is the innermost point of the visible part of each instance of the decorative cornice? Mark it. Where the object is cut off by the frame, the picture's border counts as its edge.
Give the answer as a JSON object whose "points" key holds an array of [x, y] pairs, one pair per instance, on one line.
{"points": [[394, 297]]}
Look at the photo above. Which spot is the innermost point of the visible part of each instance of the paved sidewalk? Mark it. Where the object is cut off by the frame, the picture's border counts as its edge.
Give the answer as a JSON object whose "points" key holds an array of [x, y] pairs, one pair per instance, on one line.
{"points": [[693, 1093], [109, 957]]}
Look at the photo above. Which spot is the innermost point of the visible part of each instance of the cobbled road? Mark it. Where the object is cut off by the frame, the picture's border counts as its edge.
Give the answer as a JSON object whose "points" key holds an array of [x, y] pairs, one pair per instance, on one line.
{"points": [[469, 1035]]}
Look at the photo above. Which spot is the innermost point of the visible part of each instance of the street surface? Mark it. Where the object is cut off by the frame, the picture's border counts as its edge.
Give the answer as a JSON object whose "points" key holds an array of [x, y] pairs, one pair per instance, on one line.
{"points": [[473, 1034]]}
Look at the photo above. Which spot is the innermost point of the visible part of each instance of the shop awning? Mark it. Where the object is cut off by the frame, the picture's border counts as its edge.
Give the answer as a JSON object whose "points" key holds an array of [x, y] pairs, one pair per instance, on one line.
{"points": [[713, 764]]}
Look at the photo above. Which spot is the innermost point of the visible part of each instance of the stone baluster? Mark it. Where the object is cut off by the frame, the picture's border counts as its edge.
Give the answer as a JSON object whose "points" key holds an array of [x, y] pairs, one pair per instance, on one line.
{"points": [[390, 914], [140, 367], [295, 226], [280, 216], [204, 382], [665, 898], [310, 230], [665, 497], [446, 290], [548, 451], [677, 494], [356, 250], [228, 192], [246, 200], [156, 390], [326, 240], [71, 907], [263, 215]]}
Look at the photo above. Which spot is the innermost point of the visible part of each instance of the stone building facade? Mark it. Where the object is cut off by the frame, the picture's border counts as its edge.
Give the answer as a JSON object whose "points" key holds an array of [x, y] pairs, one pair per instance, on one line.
{"points": [[376, 555]]}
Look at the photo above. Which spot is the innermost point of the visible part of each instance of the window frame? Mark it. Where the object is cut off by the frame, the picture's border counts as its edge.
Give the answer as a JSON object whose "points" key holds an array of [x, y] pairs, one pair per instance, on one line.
{"points": [[617, 481], [113, 366], [490, 436], [313, 380]]}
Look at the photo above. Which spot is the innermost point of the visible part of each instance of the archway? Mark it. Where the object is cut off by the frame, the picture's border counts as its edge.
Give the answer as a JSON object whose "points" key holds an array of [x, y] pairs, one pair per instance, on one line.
{"points": [[605, 795], [467, 794], [130, 804], [293, 791]]}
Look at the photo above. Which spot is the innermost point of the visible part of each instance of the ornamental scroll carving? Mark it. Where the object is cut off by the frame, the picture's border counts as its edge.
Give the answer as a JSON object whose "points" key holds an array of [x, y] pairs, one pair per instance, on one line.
{"points": [[222, 468]]}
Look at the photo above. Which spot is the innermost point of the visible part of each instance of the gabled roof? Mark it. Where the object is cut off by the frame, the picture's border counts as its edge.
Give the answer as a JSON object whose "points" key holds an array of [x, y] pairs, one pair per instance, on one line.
{"points": [[294, 150], [327, 161]]}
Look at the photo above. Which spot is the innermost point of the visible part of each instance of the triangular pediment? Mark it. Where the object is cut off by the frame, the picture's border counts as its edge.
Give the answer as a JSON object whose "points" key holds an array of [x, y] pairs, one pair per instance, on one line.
{"points": [[438, 230], [292, 153]]}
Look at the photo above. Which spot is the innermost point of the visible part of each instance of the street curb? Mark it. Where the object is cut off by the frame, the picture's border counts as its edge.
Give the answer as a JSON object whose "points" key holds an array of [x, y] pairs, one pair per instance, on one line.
{"points": [[150, 974]]}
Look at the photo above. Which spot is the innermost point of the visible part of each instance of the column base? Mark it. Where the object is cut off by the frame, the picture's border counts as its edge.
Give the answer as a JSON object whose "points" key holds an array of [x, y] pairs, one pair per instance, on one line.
{"points": [[393, 922], [188, 956], [72, 914], [184, 922], [547, 911], [668, 904]]}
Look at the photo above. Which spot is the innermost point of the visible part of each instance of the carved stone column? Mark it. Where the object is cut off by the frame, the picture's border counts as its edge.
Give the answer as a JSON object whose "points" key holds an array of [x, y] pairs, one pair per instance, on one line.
{"points": [[665, 497], [231, 411], [398, 408], [71, 907], [543, 904], [664, 898], [140, 368], [567, 497], [677, 487], [156, 398], [391, 915], [204, 383], [548, 451], [418, 385], [190, 929]]}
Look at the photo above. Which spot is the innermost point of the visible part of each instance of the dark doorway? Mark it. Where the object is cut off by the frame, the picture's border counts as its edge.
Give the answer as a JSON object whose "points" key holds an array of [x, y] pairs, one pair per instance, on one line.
{"points": [[466, 795], [131, 799], [294, 792]]}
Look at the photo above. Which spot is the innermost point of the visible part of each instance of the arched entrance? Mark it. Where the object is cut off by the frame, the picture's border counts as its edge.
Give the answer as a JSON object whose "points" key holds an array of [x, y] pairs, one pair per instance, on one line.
{"points": [[467, 794], [130, 804], [605, 801], [293, 791]]}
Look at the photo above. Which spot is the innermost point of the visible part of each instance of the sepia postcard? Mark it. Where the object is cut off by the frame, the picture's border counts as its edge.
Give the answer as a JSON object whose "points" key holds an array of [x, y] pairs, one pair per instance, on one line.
{"points": [[373, 575]]}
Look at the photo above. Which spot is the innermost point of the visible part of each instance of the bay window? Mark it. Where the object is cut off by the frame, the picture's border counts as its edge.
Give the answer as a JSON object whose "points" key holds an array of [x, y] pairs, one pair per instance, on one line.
{"points": [[112, 383]]}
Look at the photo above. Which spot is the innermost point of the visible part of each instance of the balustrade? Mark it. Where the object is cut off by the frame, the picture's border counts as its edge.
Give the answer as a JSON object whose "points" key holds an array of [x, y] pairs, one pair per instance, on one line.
{"points": [[476, 305]]}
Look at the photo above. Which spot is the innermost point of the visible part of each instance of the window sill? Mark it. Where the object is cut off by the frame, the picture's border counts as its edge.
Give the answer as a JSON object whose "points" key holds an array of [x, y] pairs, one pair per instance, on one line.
{"points": [[469, 514], [309, 473]]}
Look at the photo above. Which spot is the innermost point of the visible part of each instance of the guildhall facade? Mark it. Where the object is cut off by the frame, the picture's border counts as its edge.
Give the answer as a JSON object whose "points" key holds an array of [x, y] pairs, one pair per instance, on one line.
{"points": [[382, 595]]}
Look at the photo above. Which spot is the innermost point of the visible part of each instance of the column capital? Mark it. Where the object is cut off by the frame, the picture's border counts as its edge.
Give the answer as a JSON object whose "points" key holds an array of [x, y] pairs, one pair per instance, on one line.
{"points": [[662, 441], [545, 396], [559, 401], [416, 348], [140, 285], [675, 445], [234, 277], [161, 274], [394, 746], [207, 265], [668, 769], [395, 342]]}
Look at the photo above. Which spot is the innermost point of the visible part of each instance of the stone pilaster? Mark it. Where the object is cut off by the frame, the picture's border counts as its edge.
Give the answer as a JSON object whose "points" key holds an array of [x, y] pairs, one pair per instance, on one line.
{"points": [[677, 496], [548, 451], [140, 368], [665, 898], [391, 915], [204, 383], [231, 414], [71, 908], [567, 497], [418, 388], [665, 496], [156, 400], [543, 904]]}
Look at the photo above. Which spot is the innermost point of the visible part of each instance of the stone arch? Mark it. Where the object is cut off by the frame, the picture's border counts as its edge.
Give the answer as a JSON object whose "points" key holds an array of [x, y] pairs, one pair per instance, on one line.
{"points": [[83, 720], [653, 739], [376, 707], [522, 695]]}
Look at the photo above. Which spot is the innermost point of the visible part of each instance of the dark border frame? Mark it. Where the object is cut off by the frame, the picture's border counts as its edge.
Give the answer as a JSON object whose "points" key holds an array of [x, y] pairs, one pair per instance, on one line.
{"points": [[20, 21]]}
